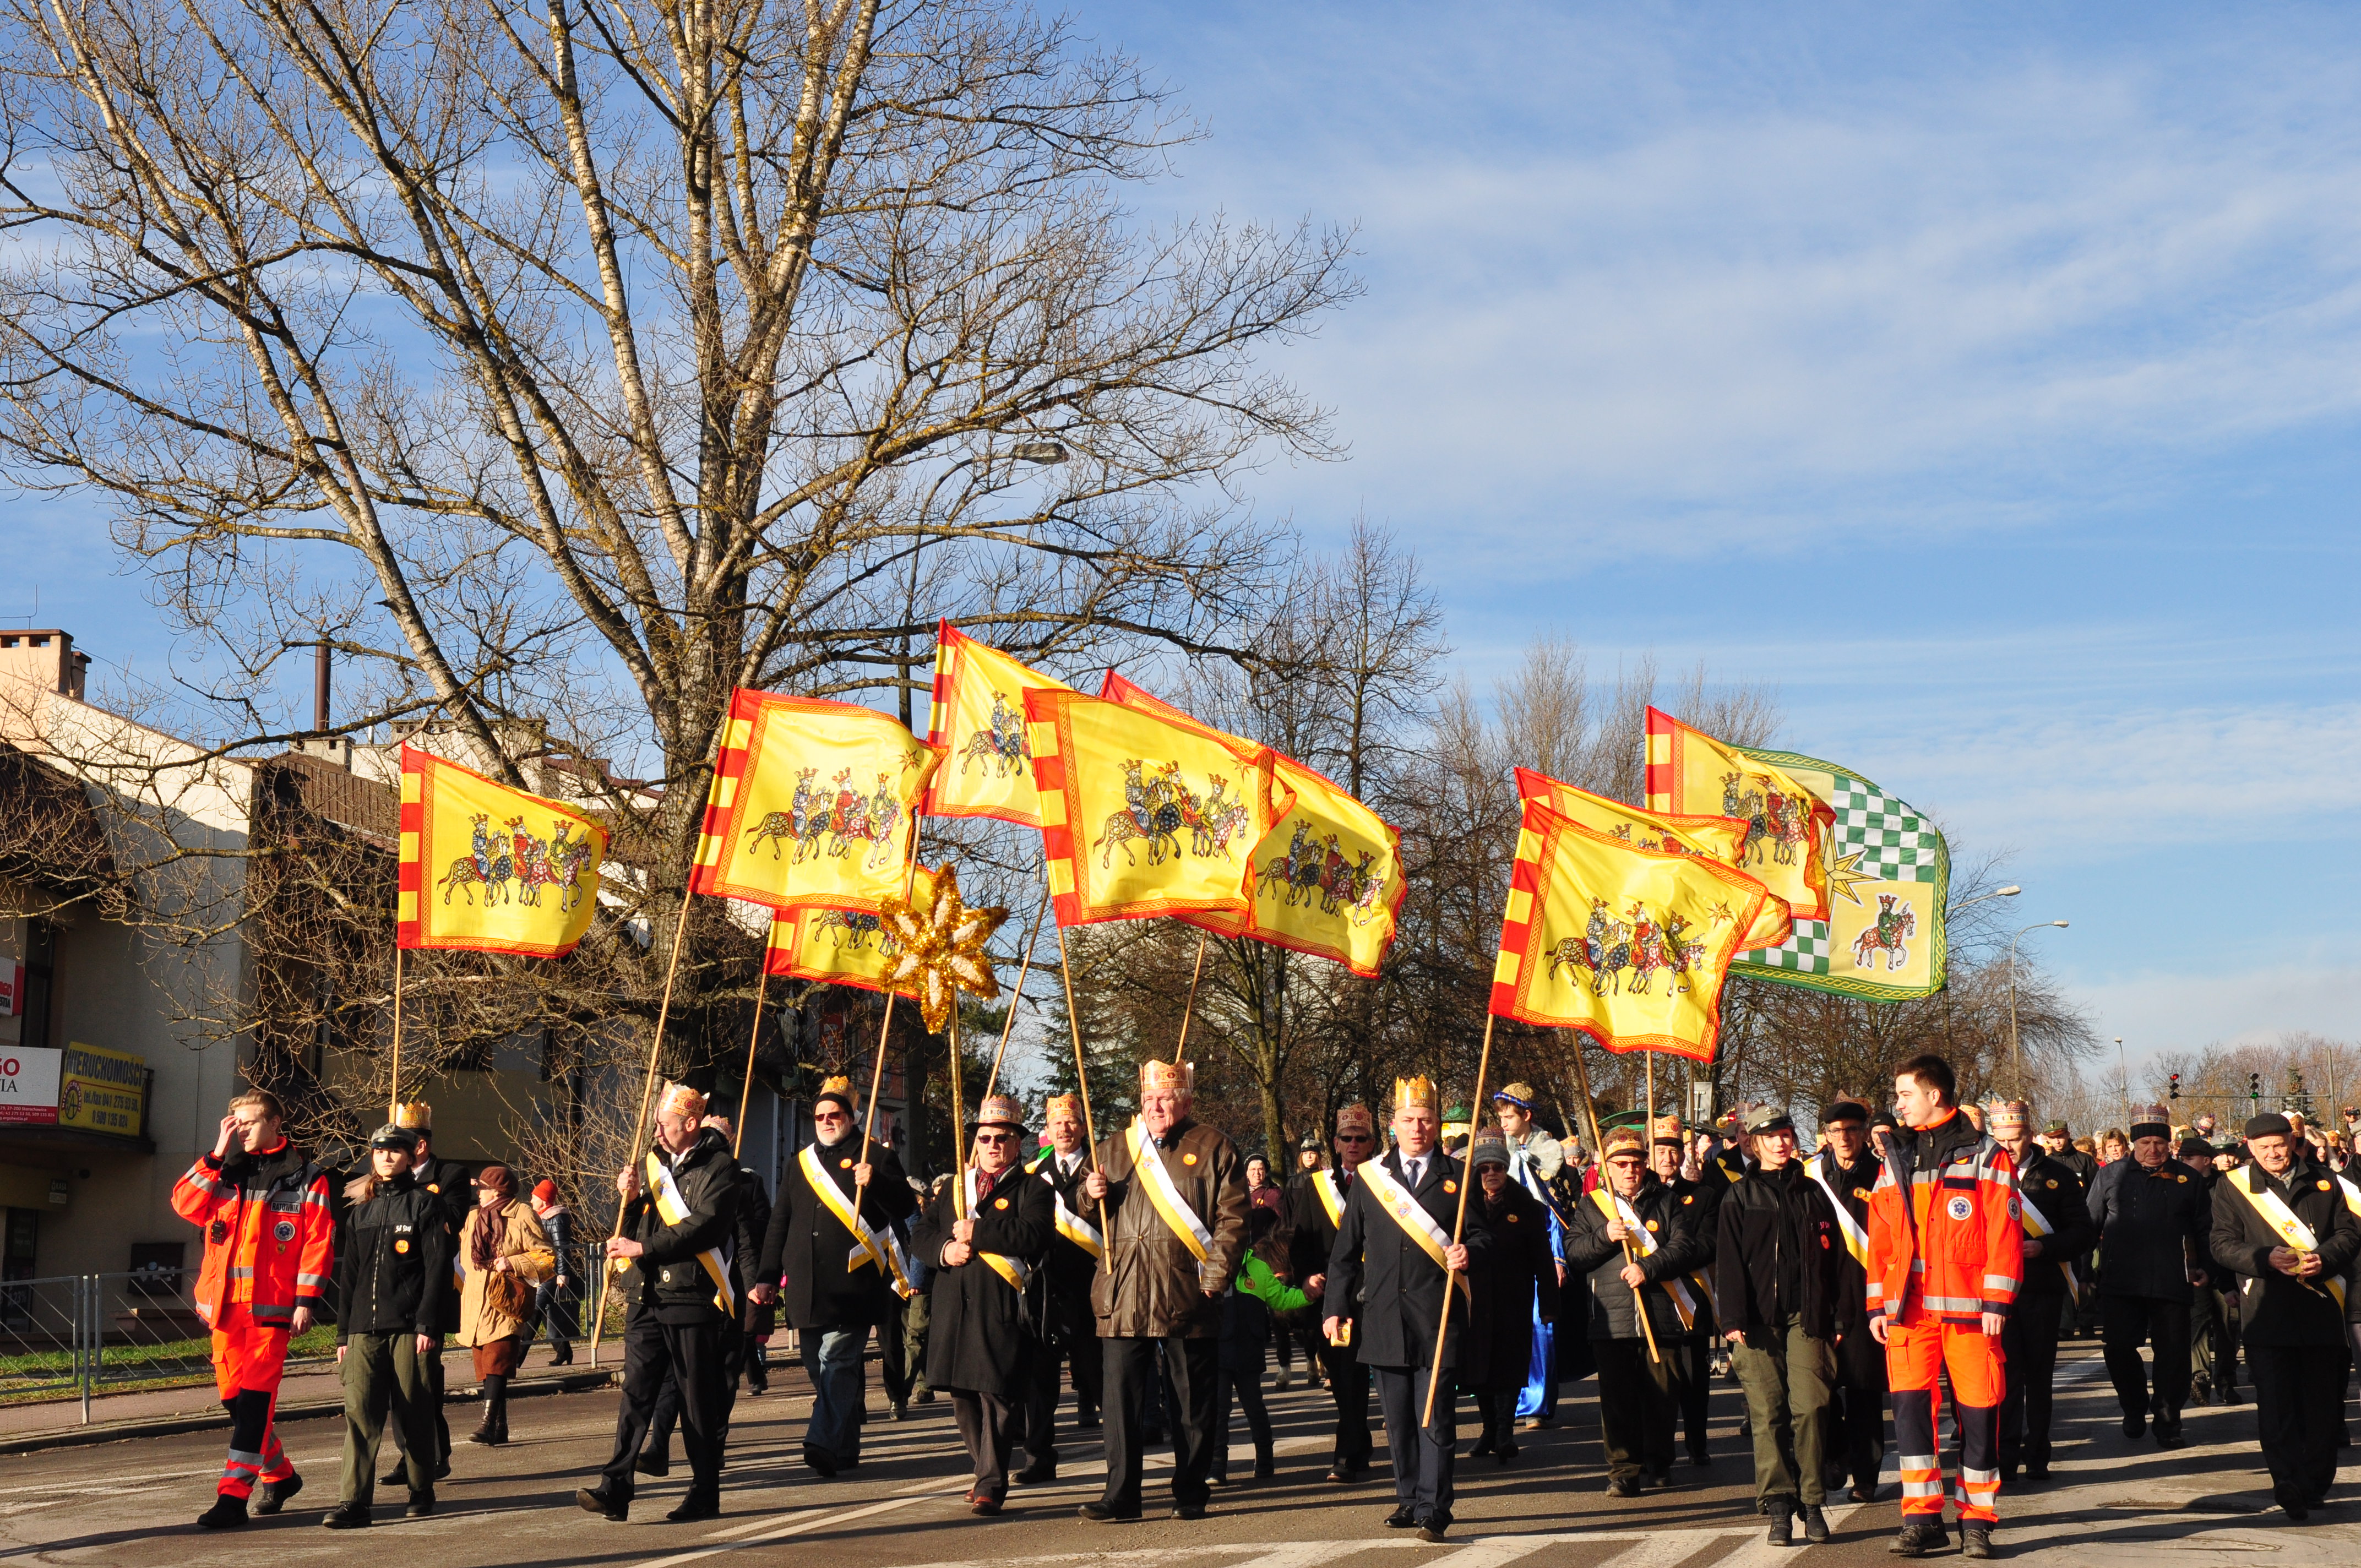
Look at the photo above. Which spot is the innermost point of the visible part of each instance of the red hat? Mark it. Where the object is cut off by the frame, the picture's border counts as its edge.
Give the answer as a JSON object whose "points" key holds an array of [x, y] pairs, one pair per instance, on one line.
{"points": [[545, 1190]]}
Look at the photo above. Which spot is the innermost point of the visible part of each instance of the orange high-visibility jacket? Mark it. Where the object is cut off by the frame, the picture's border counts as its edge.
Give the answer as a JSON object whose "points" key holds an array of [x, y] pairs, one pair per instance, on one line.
{"points": [[1957, 1247], [270, 1241]]}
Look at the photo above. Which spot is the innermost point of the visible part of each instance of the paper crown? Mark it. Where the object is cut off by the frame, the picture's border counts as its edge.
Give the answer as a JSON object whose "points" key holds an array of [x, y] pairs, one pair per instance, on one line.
{"points": [[1062, 1106], [2008, 1114], [2156, 1116], [1158, 1076], [1419, 1092], [1356, 1118], [1665, 1130], [680, 1100], [415, 1115], [1000, 1111], [1621, 1138], [840, 1084], [1519, 1093]]}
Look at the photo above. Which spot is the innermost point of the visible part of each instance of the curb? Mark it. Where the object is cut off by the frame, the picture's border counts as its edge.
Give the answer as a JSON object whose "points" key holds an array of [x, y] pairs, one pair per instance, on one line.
{"points": [[174, 1426]]}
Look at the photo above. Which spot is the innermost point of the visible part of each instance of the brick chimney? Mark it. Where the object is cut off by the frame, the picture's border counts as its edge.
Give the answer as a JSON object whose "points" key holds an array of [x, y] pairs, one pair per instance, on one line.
{"points": [[43, 659]]}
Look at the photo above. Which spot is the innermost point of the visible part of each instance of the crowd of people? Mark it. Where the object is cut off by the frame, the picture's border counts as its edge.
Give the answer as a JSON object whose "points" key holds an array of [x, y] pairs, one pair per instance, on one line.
{"points": [[1854, 1283]]}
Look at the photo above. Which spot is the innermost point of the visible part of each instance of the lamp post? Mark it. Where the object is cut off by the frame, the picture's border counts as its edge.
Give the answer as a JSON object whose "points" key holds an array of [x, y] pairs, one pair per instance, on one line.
{"points": [[2015, 1055], [2009, 892], [2124, 1065]]}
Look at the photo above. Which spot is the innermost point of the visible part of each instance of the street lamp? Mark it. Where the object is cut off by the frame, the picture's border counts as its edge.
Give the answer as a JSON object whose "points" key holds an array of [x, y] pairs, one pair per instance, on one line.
{"points": [[2124, 1065], [2017, 1056], [2009, 892]]}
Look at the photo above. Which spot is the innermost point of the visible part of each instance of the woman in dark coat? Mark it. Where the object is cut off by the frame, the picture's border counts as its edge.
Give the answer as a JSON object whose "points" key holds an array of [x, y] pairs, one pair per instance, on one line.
{"points": [[1500, 1342], [985, 1246]]}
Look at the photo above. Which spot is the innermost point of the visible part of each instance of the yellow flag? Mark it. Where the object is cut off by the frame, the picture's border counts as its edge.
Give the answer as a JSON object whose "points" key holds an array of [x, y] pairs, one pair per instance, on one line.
{"points": [[1629, 946], [844, 946], [1327, 877], [812, 803], [1690, 773], [490, 868], [1140, 816], [1722, 838], [977, 723]]}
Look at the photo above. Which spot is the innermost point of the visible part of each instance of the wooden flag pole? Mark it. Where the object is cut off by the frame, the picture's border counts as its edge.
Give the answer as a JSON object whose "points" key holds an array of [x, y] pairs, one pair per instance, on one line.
{"points": [[959, 1130], [1650, 1059], [1081, 1078], [1459, 1223], [647, 1097], [1598, 1145], [1189, 1006], [393, 1089], [1009, 1025], [746, 1088]]}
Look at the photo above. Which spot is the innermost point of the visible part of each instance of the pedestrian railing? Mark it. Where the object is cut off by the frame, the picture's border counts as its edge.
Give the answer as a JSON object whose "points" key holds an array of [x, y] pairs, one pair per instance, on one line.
{"points": [[77, 1336]]}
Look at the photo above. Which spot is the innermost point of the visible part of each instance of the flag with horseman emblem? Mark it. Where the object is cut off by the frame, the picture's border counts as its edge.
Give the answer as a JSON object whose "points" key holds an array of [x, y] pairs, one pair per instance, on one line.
{"points": [[813, 802], [1889, 885], [977, 724], [842, 947], [1327, 877], [1721, 839], [488, 868], [1690, 773], [1627, 945], [1143, 816]]}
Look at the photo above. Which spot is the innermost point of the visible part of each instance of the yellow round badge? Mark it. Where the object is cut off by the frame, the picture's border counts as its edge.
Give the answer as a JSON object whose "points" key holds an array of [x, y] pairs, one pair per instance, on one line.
{"points": [[1689, 1198], [1449, 1185], [402, 1246], [845, 1164], [1000, 1202], [2053, 1181], [1187, 1159], [2324, 1187], [1653, 1225], [2181, 1179], [1512, 1219]]}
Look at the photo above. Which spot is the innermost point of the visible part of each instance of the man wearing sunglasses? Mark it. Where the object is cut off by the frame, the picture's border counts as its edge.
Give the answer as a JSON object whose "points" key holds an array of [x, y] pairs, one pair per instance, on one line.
{"points": [[1315, 1204], [832, 1234]]}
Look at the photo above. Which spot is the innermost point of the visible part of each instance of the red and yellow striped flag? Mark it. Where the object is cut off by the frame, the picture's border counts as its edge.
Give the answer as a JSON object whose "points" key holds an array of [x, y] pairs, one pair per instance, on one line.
{"points": [[1142, 815], [977, 723], [1629, 946], [1721, 839], [1690, 773], [520, 874], [812, 803], [843, 947], [1327, 877]]}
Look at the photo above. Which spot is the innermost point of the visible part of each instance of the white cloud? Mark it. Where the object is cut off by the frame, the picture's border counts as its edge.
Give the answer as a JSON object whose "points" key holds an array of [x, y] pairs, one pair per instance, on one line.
{"points": [[2174, 1010]]}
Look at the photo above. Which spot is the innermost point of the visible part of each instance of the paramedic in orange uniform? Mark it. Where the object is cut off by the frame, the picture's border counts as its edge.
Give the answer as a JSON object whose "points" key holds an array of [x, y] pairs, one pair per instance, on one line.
{"points": [[269, 1247], [1946, 1255]]}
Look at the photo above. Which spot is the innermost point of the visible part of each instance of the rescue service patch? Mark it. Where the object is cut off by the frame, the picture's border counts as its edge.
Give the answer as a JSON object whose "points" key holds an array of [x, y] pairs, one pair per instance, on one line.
{"points": [[283, 1232], [1959, 1207]]}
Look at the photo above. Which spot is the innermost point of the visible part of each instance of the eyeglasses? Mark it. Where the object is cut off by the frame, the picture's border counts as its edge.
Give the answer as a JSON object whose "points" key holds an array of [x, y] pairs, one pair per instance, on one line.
{"points": [[996, 1137], [1634, 1161], [830, 1116], [1352, 1137]]}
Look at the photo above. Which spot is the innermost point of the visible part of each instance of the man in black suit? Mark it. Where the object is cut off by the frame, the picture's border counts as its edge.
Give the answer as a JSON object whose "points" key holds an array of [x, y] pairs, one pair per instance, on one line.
{"points": [[2058, 1231], [1071, 1334], [1395, 1256], [1315, 1206]]}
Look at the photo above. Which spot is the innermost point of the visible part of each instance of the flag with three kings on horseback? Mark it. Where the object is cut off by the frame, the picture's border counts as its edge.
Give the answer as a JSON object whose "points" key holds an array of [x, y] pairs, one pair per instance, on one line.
{"points": [[488, 868], [844, 946], [1327, 877], [1630, 946], [812, 803], [1786, 845], [977, 723]]}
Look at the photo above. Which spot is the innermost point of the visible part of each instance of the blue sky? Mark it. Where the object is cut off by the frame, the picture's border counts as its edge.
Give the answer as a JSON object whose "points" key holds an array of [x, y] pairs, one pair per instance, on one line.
{"points": [[1984, 378]]}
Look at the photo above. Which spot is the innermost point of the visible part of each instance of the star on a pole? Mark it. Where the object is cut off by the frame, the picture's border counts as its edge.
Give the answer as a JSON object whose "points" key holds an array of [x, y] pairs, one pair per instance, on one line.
{"points": [[1844, 878], [942, 940]]}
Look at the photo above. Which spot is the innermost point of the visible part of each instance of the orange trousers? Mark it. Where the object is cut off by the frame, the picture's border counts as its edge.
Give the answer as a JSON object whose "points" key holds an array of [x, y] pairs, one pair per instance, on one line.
{"points": [[249, 1360], [1920, 1350]]}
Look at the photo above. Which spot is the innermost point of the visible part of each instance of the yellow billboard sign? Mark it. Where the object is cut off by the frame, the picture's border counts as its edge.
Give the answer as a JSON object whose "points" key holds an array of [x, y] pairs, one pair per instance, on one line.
{"points": [[101, 1090]]}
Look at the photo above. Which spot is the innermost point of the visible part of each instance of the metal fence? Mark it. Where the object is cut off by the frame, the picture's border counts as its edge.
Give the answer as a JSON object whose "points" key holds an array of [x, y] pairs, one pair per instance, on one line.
{"points": [[79, 1335]]}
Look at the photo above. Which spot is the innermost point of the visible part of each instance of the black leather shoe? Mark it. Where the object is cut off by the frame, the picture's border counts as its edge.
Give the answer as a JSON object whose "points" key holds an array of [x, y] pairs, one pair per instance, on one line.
{"points": [[1507, 1452], [1783, 1523], [694, 1507], [419, 1506], [821, 1460], [2134, 1425], [1187, 1511], [651, 1462], [397, 1476], [1815, 1524], [2038, 1472], [271, 1496], [1864, 1493], [1403, 1518], [354, 1518], [1437, 1524], [1103, 1512], [605, 1507], [1483, 1446], [1036, 1475], [1623, 1486], [227, 1513]]}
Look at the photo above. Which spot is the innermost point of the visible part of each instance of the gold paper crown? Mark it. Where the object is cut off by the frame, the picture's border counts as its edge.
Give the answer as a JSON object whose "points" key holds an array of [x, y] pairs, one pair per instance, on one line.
{"points": [[1622, 1138], [1419, 1092], [1062, 1106], [1356, 1118], [1519, 1093], [1664, 1129], [2008, 1114], [840, 1084], [1155, 1074], [415, 1115], [1000, 1111], [680, 1100]]}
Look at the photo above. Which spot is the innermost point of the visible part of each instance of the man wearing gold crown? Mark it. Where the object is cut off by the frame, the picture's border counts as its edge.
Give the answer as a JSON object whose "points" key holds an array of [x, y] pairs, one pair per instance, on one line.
{"points": [[986, 1236], [832, 1234], [1315, 1207], [680, 1214], [452, 1186], [1173, 1194], [1070, 1335], [1394, 1256]]}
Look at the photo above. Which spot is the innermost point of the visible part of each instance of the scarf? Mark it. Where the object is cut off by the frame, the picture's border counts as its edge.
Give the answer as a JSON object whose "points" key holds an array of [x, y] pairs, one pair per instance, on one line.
{"points": [[491, 1225]]}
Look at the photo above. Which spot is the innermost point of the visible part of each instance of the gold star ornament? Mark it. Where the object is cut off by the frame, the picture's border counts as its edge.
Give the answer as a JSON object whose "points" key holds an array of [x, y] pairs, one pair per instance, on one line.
{"points": [[942, 947]]}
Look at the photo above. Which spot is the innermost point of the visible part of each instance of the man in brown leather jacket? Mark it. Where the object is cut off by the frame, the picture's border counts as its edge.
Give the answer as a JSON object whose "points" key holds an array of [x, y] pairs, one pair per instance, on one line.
{"points": [[1175, 1230]]}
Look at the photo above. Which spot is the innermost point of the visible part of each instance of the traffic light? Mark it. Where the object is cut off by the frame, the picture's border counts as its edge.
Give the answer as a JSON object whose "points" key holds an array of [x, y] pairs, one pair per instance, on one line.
{"points": [[2176, 1086]]}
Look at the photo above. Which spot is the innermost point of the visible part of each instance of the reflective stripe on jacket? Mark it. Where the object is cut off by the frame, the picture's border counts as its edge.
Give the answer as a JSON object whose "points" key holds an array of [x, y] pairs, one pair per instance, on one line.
{"points": [[1957, 1249], [270, 1237]]}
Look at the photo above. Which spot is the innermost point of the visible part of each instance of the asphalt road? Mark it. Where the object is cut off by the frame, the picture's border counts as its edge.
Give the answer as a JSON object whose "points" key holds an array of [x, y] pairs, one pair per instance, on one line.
{"points": [[2113, 1501]]}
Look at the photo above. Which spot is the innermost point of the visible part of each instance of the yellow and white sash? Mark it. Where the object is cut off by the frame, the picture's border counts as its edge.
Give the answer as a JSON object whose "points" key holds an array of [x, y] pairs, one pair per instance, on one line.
{"points": [[1016, 1270], [883, 1250], [1615, 1208], [2288, 1226], [2036, 1224], [1332, 1197], [1403, 1207], [1856, 1234], [666, 1193], [1147, 1165]]}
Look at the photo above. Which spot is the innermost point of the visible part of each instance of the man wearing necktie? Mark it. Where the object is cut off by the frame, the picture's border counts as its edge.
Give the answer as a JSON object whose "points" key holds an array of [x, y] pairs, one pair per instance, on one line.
{"points": [[1070, 1335]]}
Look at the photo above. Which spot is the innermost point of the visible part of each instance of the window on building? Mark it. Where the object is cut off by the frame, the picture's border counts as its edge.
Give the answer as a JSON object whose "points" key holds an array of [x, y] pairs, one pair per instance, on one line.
{"points": [[39, 1012]]}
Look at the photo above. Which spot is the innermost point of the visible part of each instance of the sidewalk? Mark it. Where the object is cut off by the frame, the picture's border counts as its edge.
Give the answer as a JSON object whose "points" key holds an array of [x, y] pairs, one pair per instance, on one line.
{"points": [[58, 1423]]}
